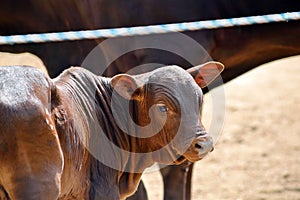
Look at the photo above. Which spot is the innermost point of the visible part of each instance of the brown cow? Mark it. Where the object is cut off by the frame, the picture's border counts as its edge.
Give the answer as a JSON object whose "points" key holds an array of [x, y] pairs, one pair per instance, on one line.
{"points": [[73, 137]]}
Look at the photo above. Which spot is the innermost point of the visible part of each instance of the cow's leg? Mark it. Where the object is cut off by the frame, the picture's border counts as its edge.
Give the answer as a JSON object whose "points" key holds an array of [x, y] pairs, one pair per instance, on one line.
{"points": [[141, 193], [177, 181], [188, 186]]}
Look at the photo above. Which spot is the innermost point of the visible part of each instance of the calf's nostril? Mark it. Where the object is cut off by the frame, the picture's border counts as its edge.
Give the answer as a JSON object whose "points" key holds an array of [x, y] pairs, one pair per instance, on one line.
{"points": [[198, 146]]}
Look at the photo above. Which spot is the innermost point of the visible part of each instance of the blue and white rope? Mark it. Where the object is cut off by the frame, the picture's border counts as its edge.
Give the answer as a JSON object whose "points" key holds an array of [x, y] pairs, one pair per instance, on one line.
{"points": [[146, 30]]}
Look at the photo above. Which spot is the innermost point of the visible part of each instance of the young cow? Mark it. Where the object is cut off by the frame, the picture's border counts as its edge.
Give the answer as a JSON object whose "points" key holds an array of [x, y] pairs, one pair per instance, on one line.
{"points": [[82, 136]]}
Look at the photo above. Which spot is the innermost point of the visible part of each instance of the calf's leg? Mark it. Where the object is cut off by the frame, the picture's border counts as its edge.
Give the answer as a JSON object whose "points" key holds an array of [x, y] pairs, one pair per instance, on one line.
{"points": [[177, 181]]}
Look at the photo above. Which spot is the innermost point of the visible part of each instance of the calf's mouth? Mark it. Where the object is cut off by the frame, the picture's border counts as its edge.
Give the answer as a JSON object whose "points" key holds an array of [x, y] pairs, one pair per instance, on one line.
{"points": [[200, 147]]}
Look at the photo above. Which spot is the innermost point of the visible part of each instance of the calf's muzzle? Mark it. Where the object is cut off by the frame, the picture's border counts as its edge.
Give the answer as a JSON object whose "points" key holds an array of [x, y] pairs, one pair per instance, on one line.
{"points": [[203, 144], [200, 147]]}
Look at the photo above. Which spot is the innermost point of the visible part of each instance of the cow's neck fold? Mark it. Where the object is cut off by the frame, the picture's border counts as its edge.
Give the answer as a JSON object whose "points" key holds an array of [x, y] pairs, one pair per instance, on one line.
{"points": [[98, 130]]}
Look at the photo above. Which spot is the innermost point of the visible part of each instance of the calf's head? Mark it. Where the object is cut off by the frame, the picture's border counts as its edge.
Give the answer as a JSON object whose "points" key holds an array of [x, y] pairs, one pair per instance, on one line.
{"points": [[166, 112]]}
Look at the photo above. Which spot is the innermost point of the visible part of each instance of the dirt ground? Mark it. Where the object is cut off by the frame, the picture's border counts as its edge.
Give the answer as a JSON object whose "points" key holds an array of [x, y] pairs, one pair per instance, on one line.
{"points": [[257, 155]]}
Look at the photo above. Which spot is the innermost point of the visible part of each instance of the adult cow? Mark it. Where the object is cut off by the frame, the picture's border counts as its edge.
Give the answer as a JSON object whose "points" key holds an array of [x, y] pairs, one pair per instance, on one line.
{"points": [[83, 136], [239, 48]]}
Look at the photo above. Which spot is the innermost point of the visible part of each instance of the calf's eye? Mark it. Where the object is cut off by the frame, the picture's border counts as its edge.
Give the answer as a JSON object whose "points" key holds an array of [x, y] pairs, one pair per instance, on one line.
{"points": [[162, 108]]}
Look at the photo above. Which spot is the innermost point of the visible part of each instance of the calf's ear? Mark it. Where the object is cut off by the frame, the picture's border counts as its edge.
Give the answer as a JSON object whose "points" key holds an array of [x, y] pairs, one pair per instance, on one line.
{"points": [[204, 74], [124, 85]]}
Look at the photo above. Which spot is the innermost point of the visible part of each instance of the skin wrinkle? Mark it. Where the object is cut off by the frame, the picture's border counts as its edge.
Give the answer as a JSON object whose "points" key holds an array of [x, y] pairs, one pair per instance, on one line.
{"points": [[162, 92], [186, 142], [74, 153], [158, 94]]}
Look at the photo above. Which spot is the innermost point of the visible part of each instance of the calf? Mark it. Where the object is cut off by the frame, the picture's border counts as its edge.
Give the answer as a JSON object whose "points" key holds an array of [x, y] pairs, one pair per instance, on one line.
{"points": [[82, 136]]}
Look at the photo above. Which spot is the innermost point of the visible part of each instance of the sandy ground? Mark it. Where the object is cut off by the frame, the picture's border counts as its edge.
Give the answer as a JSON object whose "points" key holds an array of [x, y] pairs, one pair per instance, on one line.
{"points": [[257, 155]]}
